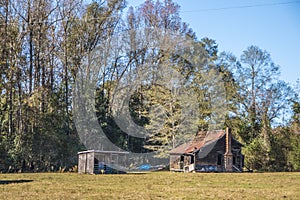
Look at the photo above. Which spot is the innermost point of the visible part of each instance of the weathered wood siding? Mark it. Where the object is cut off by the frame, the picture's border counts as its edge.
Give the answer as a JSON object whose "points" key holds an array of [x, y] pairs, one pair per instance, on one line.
{"points": [[81, 163], [208, 154], [93, 161], [86, 163], [90, 163], [215, 158]]}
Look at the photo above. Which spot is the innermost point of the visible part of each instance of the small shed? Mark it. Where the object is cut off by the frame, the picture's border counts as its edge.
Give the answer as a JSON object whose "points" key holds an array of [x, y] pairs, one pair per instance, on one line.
{"points": [[209, 151], [99, 161]]}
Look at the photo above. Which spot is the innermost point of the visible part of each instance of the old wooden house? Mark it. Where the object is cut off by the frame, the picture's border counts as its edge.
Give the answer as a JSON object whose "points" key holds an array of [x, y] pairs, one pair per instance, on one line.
{"points": [[98, 161], [209, 151]]}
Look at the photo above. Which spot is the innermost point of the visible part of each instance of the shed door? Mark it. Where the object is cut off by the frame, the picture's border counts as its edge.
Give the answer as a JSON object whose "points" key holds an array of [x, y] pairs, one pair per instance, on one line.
{"points": [[82, 163]]}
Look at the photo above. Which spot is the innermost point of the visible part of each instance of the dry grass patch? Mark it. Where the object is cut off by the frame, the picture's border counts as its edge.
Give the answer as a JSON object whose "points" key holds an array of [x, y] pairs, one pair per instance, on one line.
{"points": [[158, 185]]}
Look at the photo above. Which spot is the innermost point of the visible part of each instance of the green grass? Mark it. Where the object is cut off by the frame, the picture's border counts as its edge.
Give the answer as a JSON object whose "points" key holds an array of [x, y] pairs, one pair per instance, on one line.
{"points": [[158, 185]]}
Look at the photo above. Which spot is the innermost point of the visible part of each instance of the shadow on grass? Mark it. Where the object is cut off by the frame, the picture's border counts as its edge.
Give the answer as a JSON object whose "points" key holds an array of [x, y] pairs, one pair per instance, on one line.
{"points": [[3, 182]]}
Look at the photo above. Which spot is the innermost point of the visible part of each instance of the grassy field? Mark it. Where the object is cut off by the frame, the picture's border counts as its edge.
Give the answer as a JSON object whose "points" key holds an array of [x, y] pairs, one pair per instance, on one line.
{"points": [[156, 185]]}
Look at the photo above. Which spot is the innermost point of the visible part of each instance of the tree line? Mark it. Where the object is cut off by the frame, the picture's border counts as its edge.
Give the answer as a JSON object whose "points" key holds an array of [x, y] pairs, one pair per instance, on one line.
{"points": [[44, 44]]}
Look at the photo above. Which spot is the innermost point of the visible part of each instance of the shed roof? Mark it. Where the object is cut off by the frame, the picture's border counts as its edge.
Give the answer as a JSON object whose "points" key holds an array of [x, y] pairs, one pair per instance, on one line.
{"points": [[101, 151], [202, 139]]}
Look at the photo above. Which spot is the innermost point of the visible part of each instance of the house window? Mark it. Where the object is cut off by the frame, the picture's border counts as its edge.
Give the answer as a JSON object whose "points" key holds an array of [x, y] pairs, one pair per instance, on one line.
{"points": [[192, 159], [181, 158], [181, 164], [219, 161], [234, 160]]}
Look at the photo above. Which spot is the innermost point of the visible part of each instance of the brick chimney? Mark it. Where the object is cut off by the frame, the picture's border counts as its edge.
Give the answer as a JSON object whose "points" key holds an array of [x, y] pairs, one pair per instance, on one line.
{"points": [[228, 154]]}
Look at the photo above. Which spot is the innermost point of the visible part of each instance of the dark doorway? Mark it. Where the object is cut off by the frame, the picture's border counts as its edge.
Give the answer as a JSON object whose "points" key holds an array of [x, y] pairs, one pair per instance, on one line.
{"points": [[219, 162]]}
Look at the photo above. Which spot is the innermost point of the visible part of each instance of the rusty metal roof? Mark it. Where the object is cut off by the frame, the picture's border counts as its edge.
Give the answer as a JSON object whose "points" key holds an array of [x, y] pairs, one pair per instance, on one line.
{"points": [[202, 139]]}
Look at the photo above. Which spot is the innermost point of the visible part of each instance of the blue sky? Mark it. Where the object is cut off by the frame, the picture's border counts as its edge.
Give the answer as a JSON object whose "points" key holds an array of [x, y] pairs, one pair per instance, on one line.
{"points": [[273, 25]]}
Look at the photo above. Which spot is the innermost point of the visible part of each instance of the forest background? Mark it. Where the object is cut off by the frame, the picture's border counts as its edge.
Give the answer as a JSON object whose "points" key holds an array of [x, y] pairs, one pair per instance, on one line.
{"points": [[44, 45]]}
